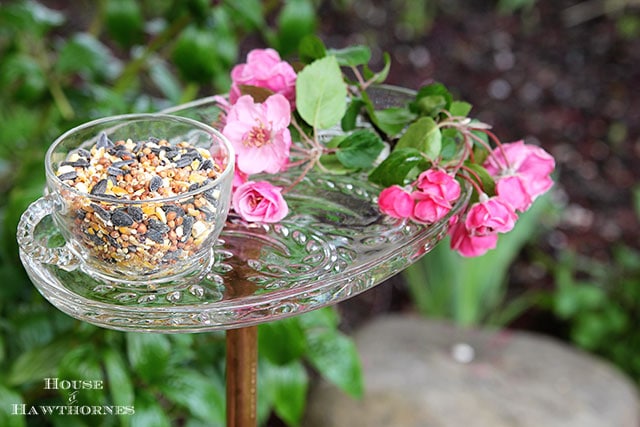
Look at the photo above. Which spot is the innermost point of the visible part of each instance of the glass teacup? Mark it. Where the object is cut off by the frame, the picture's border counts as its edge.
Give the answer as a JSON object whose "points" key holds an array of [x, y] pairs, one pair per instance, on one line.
{"points": [[138, 198]]}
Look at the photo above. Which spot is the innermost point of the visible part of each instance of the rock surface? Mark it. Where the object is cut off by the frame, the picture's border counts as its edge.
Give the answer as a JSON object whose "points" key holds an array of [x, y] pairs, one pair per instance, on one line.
{"points": [[420, 372]]}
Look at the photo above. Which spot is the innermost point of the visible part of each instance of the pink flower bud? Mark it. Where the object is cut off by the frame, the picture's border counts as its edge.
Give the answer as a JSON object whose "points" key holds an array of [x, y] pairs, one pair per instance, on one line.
{"points": [[469, 245], [259, 202], [490, 216], [438, 183], [396, 202], [264, 69]]}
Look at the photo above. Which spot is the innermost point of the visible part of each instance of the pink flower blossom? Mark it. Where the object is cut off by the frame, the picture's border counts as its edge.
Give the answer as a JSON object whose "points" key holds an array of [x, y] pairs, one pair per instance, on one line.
{"points": [[259, 202], [435, 192], [478, 232], [469, 245], [523, 176], [264, 69], [430, 210], [395, 201], [259, 133], [436, 182], [489, 216]]}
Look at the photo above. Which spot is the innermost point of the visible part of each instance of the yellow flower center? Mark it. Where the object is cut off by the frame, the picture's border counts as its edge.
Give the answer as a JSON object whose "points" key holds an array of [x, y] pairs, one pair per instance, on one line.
{"points": [[258, 136]]}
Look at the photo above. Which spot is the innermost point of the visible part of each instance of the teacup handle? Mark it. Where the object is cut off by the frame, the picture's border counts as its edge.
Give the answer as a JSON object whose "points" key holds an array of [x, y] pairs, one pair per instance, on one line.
{"points": [[32, 247]]}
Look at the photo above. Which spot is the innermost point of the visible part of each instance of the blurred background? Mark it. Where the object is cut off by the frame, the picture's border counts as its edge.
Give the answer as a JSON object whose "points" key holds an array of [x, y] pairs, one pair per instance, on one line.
{"points": [[558, 73]]}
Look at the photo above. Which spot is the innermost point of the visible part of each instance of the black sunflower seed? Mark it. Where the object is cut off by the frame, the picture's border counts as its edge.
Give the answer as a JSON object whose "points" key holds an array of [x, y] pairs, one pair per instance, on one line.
{"points": [[83, 153], [121, 219], [135, 213], [113, 171], [155, 183], [158, 226], [207, 164], [183, 161], [121, 163], [187, 226], [80, 163], [155, 236], [173, 208], [69, 176], [99, 188], [171, 153], [100, 212], [95, 239], [104, 141]]}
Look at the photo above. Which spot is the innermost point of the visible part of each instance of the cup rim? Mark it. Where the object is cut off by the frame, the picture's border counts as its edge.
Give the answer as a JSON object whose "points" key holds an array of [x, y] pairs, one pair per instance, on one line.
{"points": [[228, 170]]}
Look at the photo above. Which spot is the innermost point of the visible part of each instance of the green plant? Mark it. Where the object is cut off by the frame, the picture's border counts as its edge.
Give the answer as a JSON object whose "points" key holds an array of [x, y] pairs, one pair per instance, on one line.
{"points": [[62, 68], [599, 303]]}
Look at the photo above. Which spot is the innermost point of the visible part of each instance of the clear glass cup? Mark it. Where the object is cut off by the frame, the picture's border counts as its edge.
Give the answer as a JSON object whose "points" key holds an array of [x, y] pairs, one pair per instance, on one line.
{"points": [[151, 227]]}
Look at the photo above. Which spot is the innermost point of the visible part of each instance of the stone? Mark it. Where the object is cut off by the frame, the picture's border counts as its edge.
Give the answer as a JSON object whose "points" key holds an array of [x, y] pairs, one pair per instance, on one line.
{"points": [[421, 372]]}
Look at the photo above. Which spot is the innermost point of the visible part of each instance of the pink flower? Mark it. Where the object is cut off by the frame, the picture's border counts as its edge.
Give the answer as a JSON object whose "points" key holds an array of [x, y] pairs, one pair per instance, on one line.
{"points": [[259, 133], [436, 182], [259, 202], [436, 191], [469, 245], [489, 216], [430, 210], [395, 201], [265, 69], [523, 176]]}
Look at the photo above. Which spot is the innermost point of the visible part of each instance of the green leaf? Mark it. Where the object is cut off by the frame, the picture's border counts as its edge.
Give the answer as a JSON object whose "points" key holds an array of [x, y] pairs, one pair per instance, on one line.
{"points": [[311, 47], [424, 134], [85, 54], [396, 168], [81, 363], [391, 120], [118, 378], [297, 19], [38, 363], [320, 319], [352, 56], [271, 336], [321, 94], [196, 54], [288, 386], [9, 398], [148, 354], [29, 17], [202, 395], [336, 358], [430, 98], [350, 117], [245, 13], [381, 75], [451, 140], [460, 108], [165, 80], [124, 22], [149, 411], [360, 149], [23, 76]]}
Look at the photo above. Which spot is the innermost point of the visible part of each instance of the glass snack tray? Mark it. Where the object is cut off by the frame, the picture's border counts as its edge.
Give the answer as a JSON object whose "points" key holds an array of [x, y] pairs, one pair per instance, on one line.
{"points": [[333, 245]]}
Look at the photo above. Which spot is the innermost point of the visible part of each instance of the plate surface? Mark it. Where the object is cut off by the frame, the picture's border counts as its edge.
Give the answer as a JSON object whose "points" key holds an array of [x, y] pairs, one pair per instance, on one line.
{"points": [[333, 245]]}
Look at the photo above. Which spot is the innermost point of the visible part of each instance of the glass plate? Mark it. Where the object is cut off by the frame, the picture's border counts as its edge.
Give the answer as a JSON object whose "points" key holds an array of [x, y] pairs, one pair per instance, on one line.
{"points": [[333, 245]]}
